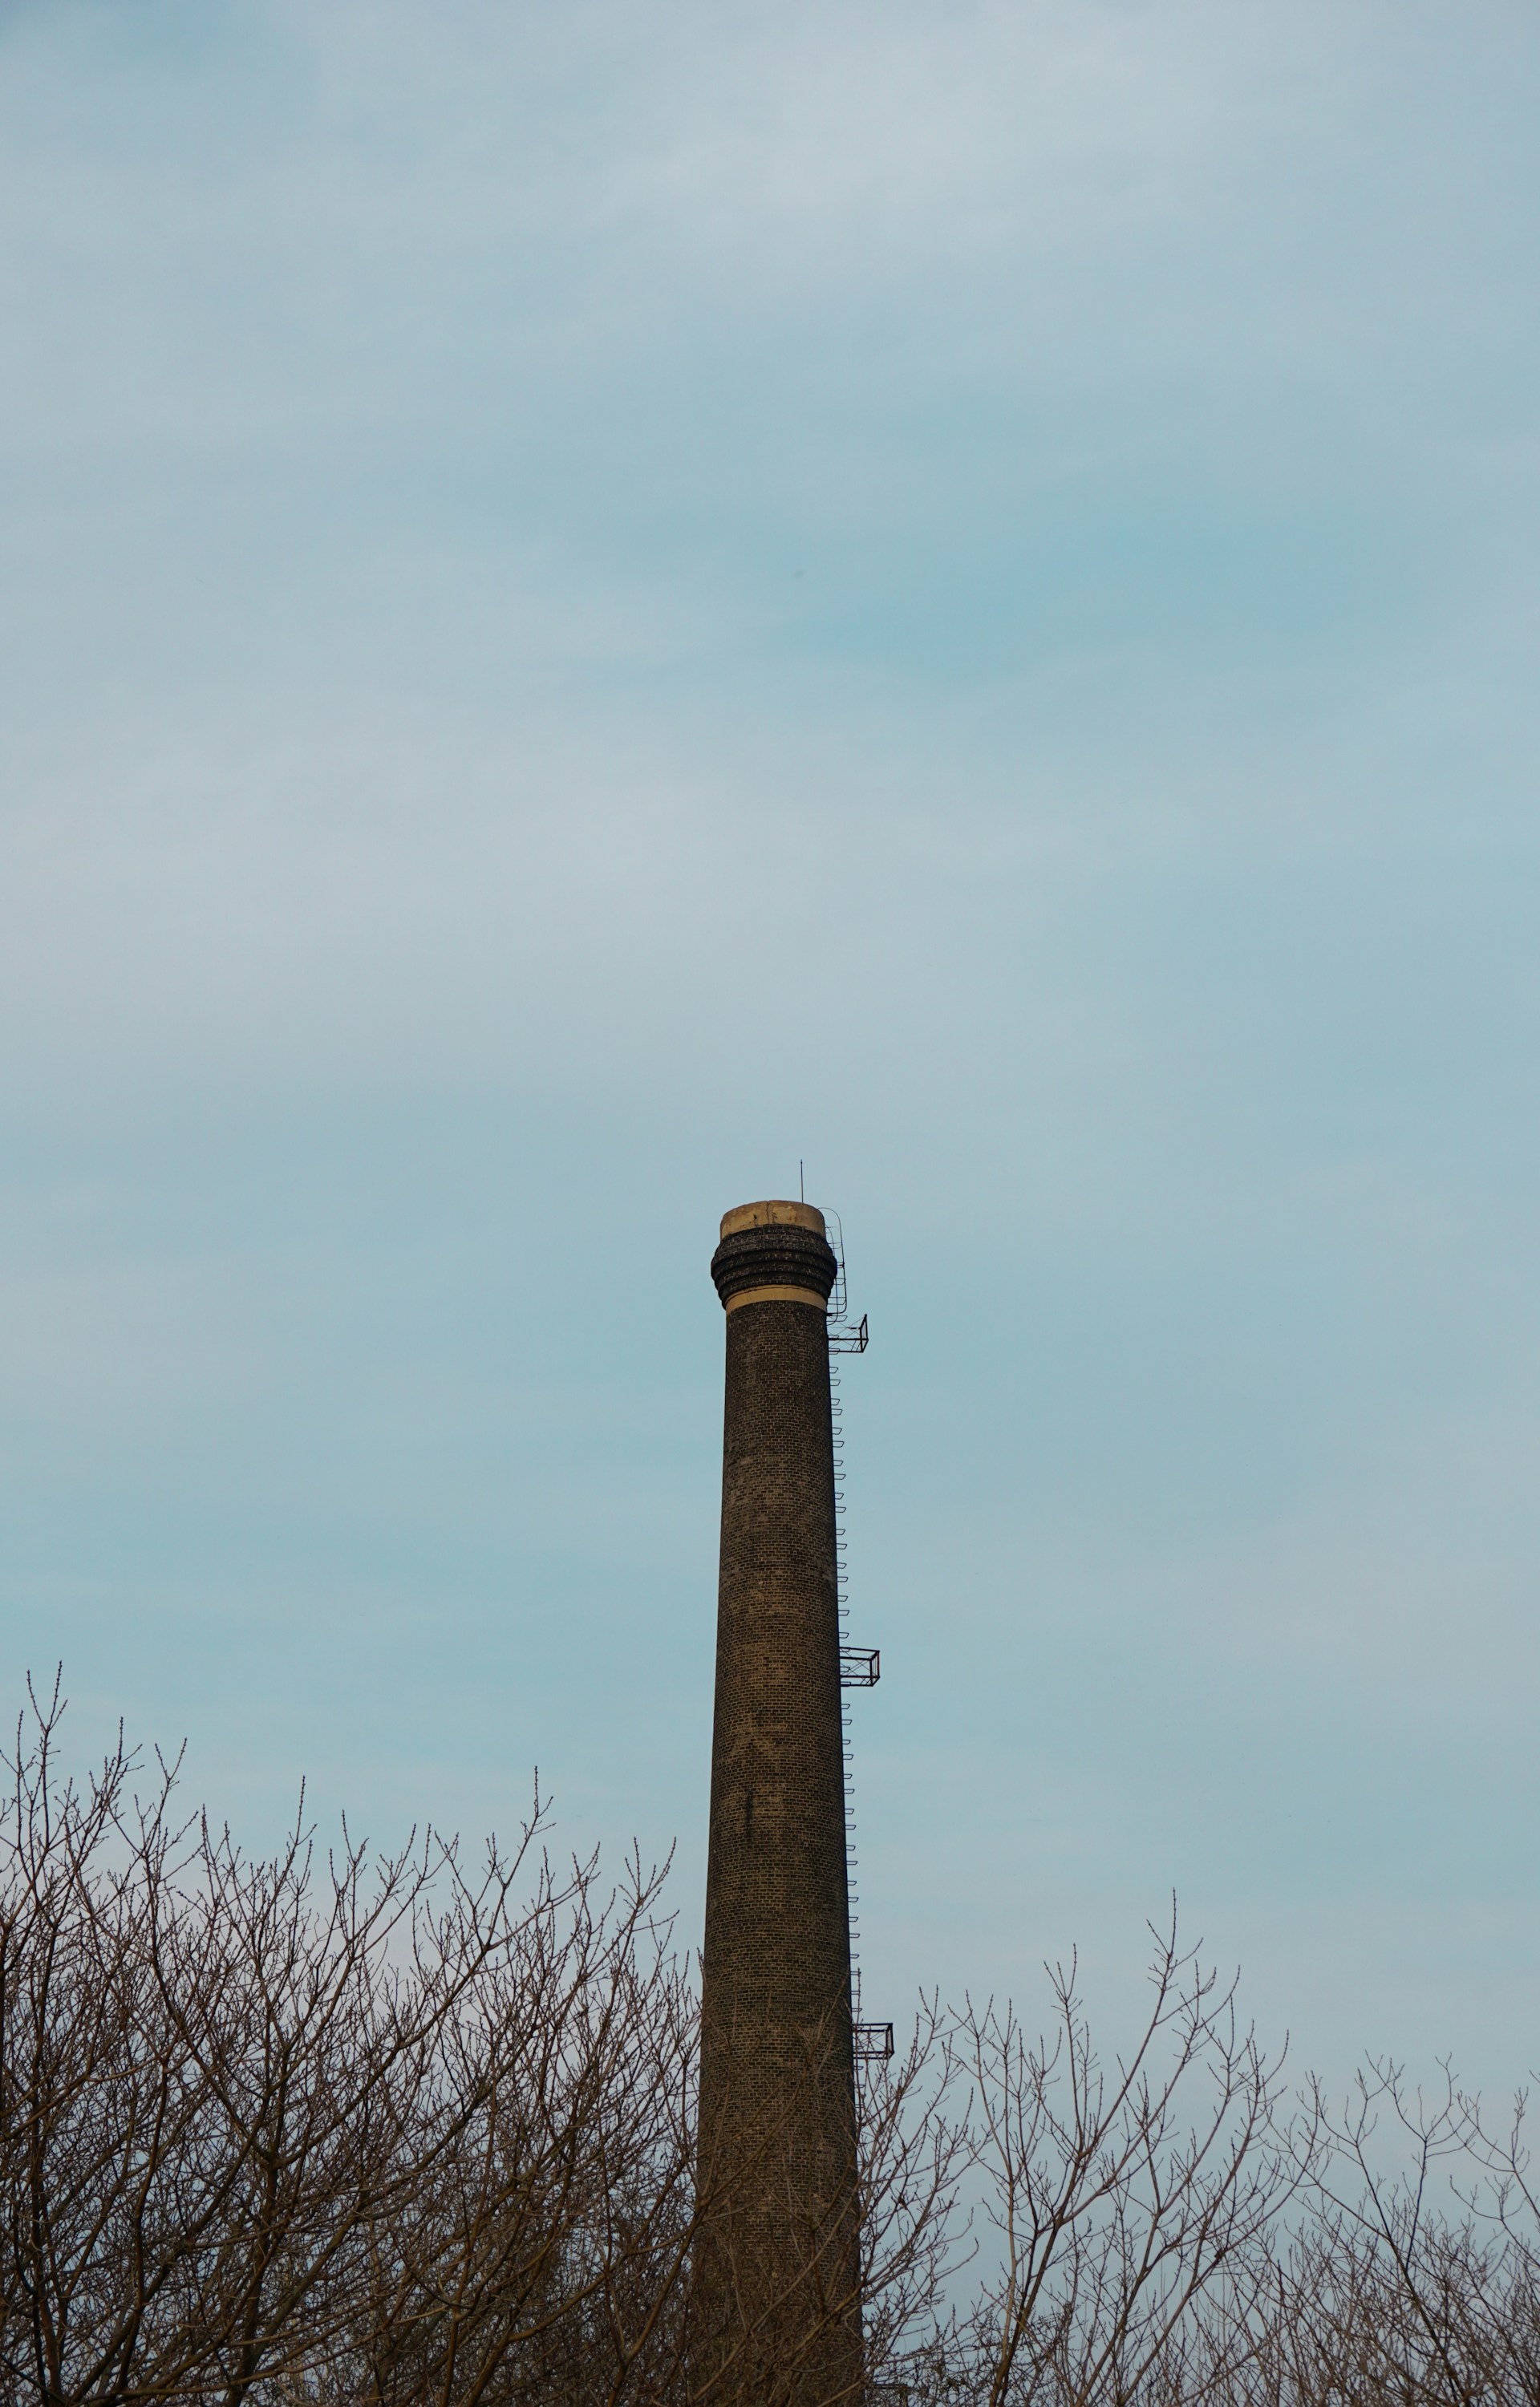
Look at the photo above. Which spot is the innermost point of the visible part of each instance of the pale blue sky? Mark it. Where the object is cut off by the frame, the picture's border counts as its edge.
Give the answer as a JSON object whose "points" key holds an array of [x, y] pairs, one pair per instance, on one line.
{"points": [[599, 598]]}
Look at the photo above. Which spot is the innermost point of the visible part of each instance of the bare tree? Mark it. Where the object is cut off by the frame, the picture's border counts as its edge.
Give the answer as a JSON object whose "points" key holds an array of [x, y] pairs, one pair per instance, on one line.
{"points": [[374, 2127], [1412, 2277], [333, 2129], [543, 2252], [1130, 2202], [328, 2130]]}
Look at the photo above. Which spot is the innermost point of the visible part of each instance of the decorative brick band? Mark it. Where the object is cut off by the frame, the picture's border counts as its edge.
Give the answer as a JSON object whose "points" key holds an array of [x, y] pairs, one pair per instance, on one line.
{"points": [[774, 1260], [775, 1295]]}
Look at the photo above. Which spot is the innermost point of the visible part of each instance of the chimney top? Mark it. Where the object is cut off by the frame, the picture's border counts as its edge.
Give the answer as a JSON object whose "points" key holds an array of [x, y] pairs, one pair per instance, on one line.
{"points": [[772, 1216]]}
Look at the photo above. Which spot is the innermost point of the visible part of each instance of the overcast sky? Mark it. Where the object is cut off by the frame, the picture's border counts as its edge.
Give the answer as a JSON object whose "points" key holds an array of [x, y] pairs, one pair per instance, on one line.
{"points": [[599, 598]]}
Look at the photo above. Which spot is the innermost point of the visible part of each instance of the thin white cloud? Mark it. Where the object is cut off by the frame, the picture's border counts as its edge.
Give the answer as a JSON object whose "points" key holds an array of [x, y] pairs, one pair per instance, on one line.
{"points": [[596, 601]]}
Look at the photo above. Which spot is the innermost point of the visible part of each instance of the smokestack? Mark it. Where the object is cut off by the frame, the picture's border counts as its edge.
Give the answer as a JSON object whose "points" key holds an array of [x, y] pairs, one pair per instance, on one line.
{"points": [[779, 2256]]}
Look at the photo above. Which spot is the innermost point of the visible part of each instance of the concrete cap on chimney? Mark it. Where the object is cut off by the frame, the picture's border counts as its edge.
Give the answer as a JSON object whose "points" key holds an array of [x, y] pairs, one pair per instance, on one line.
{"points": [[773, 1215]]}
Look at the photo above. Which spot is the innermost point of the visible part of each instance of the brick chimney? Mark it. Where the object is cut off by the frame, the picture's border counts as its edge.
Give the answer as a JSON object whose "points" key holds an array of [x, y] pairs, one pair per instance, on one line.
{"points": [[779, 2251]]}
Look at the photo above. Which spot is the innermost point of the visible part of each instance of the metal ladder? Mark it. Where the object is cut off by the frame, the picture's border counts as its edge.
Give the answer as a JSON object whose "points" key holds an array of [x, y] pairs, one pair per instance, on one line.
{"points": [[860, 1667]]}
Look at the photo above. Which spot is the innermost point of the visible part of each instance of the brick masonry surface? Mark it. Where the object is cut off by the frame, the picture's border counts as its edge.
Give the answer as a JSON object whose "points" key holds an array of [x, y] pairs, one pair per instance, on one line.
{"points": [[777, 2072]]}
